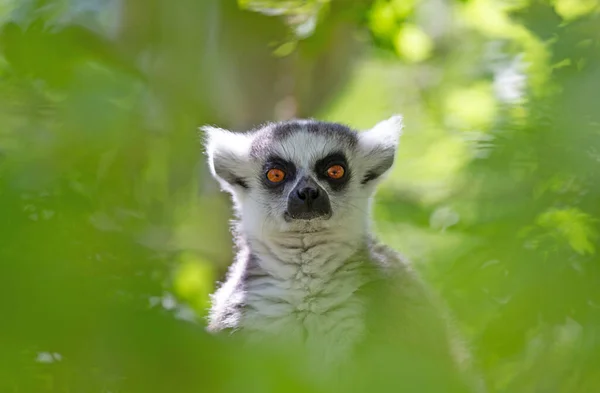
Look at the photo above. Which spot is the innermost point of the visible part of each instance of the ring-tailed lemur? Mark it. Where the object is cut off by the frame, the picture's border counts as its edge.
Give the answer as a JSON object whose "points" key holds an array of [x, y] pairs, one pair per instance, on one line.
{"points": [[308, 265]]}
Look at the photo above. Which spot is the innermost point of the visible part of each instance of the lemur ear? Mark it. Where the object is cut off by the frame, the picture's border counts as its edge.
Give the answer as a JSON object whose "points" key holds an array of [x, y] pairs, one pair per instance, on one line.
{"points": [[228, 156], [378, 147]]}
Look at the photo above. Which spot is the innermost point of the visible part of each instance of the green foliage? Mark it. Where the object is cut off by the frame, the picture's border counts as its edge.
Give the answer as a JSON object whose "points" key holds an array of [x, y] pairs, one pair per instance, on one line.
{"points": [[113, 234]]}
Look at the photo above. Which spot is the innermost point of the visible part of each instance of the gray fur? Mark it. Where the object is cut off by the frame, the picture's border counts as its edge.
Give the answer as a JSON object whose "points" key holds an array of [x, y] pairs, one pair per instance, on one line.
{"points": [[311, 284], [280, 132]]}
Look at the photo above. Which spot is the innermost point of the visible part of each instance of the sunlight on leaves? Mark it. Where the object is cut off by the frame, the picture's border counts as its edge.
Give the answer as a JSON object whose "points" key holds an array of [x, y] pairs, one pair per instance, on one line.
{"points": [[536, 56], [575, 226], [272, 7], [446, 157], [413, 44], [367, 98], [193, 280], [573, 9], [404, 8], [382, 19], [473, 107], [285, 49], [493, 20], [488, 17]]}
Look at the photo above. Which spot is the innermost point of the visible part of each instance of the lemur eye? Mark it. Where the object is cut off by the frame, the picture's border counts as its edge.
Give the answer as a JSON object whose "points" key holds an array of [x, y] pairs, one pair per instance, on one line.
{"points": [[335, 171], [275, 175]]}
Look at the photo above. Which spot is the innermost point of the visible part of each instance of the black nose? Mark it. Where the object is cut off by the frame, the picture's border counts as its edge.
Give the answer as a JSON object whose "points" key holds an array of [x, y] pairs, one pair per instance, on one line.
{"points": [[307, 201], [308, 194]]}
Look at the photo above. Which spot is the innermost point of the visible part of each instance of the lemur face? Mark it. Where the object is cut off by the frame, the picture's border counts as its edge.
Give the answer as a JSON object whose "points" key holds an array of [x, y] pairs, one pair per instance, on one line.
{"points": [[302, 175]]}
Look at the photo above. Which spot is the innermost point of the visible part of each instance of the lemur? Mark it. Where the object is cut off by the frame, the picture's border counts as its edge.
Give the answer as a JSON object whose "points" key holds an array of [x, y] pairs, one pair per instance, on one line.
{"points": [[309, 270]]}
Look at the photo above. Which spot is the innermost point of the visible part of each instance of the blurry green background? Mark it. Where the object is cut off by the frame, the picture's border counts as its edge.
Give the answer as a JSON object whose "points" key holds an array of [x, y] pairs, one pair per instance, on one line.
{"points": [[112, 233]]}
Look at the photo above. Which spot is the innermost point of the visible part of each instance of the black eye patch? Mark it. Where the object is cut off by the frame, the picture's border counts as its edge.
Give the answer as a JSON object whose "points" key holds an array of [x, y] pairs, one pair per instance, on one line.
{"points": [[336, 158], [275, 162]]}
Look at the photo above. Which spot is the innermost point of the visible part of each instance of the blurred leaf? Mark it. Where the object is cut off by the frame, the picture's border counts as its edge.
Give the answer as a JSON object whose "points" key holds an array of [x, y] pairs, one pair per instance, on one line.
{"points": [[413, 44], [382, 19], [488, 16], [471, 108], [404, 8], [575, 226], [285, 49], [573, 9], [193, 281]]}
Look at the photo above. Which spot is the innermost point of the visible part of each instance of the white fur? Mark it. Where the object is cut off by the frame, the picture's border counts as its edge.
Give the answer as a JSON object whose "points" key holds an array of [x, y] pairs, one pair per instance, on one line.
{"points": [[309, 296], [228, 147], [380, 143], [304, 294], [385, 134]]}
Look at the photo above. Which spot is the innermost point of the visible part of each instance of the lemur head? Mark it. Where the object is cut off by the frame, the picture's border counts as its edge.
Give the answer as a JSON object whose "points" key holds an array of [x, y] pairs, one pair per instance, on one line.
{"points": [[302, 175]]}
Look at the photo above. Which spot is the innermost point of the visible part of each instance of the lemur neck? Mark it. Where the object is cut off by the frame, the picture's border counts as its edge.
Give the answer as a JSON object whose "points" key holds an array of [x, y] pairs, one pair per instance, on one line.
{"points": [[281, 253]]}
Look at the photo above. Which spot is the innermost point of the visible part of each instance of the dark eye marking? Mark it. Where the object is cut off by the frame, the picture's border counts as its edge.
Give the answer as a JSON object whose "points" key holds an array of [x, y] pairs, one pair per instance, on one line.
{"points": [[277, 166], [241, 182], [334, 159], [379, 170], [368, 177]]}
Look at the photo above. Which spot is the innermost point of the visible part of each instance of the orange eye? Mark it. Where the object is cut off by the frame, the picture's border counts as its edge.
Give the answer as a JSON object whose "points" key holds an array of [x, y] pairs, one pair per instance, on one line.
{"points": [[275, 175], [335, 171]]}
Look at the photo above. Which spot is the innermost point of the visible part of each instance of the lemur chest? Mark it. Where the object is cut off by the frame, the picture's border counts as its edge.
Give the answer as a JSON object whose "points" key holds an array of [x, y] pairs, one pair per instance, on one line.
{"points": [[308, 296]]}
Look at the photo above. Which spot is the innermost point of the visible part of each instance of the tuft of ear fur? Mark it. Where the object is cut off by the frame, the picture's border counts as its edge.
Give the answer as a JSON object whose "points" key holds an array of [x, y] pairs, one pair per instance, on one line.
{"points": [[378, 146], [228, 156]]}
